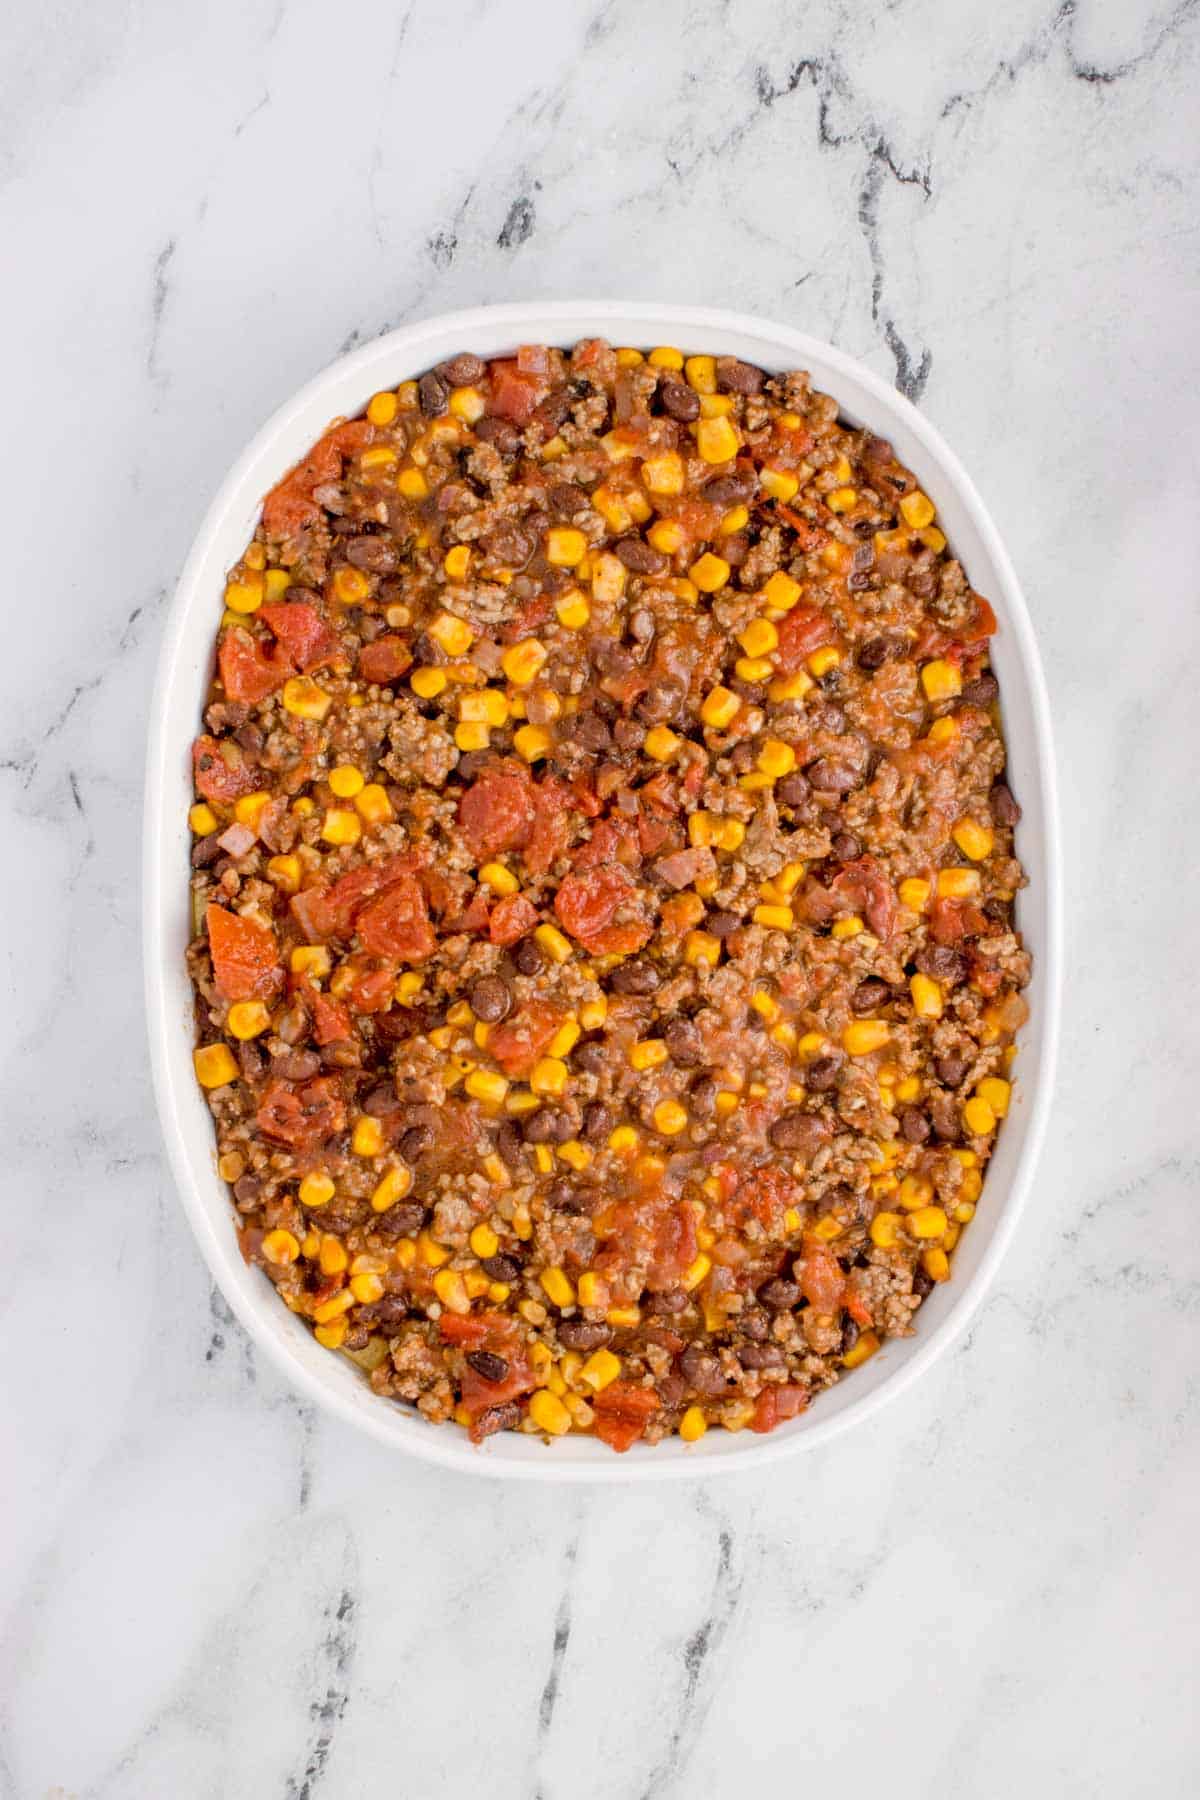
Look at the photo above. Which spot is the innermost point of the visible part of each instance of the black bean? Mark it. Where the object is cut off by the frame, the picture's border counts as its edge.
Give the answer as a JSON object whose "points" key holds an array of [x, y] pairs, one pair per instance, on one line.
{"points": [[731, 490], [569, 1197], [950, 1068], [846, 846], [914, 1125], [581, 1334], [760, 1356], [942, 962], [833, 775], [685, 1044], [378, 555], [754, 1323], [1004, 807], [849, 1335], [591, 1058], [433, 395], [734, 377], [487, 1364], [628, 734], [296, 1065], [251, 1061], [641, 557], [206, 850], [566, 499], [529, 957], [703, 1093], [400, 1221], [779, 1295], [508, 1142], [822, 1074], [721, 924], [982, 691], [635, 978], [463, 369], [490, 999], [497, 1418], [869, 995], [246, 1189], [501, 1268], [793, 789], [922, 1284], [554, 408], [668, 1304], [415, 1142], [683, 403], [703, 1372], [597, 1120], [588, 730], [502, 435], [250, 739], [943, 1110], [875, 652], [549, 1125]]}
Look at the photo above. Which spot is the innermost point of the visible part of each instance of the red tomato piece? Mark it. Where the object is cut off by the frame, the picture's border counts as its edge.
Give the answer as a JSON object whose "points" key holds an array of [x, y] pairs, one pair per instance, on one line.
{"points": [[247, 672], [303, 1116], [822, 1281], [775, 1404], [517, 1042], [551, 825], [514, 394], [623, 1410], [952, 920], [373, 990], [497, 811], [802, 631], [290, 506], [526, 618], [385, 660], [245, 956], [217, 778], [305, 640], [674, 1247], [397, 923], [331, 1020], [324, 912], [810, 537], [533, 359], [868, 889], [512, 918]]}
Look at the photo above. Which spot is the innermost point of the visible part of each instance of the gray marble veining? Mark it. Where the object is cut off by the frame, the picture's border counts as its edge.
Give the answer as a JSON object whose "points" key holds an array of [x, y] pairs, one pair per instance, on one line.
{"points": [[209, 1590]]}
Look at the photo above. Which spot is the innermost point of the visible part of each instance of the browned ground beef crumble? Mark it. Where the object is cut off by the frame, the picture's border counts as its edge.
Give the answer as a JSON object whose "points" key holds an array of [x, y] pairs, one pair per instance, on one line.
{"points": [[605, 972]]}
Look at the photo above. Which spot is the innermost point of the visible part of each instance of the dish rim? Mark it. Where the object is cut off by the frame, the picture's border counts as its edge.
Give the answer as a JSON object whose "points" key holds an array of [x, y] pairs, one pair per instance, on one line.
{"points": [[322, 1378]]}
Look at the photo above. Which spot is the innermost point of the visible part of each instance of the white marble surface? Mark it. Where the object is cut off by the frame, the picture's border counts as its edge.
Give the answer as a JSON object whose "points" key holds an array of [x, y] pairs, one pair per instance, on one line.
{"points": [[209, 1591]]}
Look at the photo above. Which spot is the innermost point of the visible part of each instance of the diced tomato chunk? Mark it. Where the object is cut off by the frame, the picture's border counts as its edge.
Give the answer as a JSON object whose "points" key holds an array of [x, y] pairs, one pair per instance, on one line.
{"points": [[247, 672], [512, 918], [245, 956], [384, 660], [623, 1410], [775, 1404], [822, 1281], [397, 923], [305, 640], [514, 394], [373, 989], [551, 831], [325, 912], [303, 1116], [331, 1020], [217, 778], [952, 920], [290, 506], [517, 1042], [802, 631], [497, 811], [674, 1247], [586, 904], [868, 889]]}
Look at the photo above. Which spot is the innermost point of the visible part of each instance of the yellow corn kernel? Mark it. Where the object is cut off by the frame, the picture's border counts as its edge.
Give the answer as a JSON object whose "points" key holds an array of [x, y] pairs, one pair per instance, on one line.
{"points": [[716, 439], [764, 1003], [978, 1116], [372, 804], [779, 484], [665, 357], [846, 928], [996, 1093], [927, 1222], [548, 1413], [280, 1247], [366, 1288], [440, 1038], [285, 872], [316, 1189], [456, 562], [334, 1307], [670, 1117], [862, 1036], [972, 839], [576, 1155], [867, 1345], [601, 1368], [552, 941], [412, 484], [496, 1171], [592, 1289], [484, 1241], [613, 508], [827, 1228], [346, 781], [367, 1137], [914, 893], [759, 638], [958, 884], [663, 474], [451, 1290], [943, 730], [467, 404], [651, 1053], [214, 1065], [564, 1039], [776, 918], [341, 826], [393, 1186], [472, 736], [255, 557], [331, 1336], [623, 1138], [916, 509], [734, 520], [331, 1255], [565, 547], [305, 698], [608, 577], [661, 743], [753, 668], [549, 1076], [667, 535], [408, 987], [248, 1019], [790, 687], [486, 1085], [696, 1271], [378, 456], [701, 372], [719, 708], [693, 1425], [709, 572], [822, 660], [884, 1229], [916, 1191], [427, 683], [523, 662], [842, 499], [908, 1089], [351, 586], [453, 634], [245, 597], [498, 878], [382, 408], [250, 808], [593, 1013], [532, 742], [557, 1287], [572, 611], [926, 997], [776, 758], [202, 819], [941, 681], [936, 1264]]}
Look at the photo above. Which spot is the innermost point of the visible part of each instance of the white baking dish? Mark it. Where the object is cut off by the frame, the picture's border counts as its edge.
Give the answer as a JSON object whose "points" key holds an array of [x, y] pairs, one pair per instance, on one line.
{"points": [[183, 674]]}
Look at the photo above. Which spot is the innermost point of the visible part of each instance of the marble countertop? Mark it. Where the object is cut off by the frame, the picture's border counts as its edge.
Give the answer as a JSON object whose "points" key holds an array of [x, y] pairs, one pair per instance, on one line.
{"points": [[209, 1590]]}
